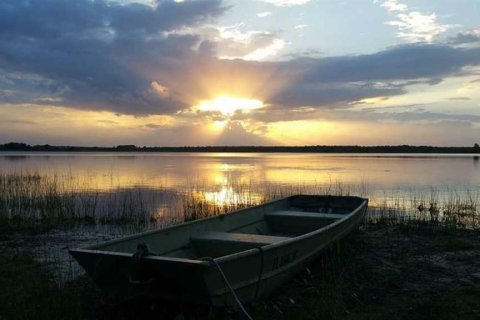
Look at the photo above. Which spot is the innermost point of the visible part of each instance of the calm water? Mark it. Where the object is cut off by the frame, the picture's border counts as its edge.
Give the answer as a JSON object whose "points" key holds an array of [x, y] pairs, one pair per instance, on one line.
{"points": [[219, 175]]}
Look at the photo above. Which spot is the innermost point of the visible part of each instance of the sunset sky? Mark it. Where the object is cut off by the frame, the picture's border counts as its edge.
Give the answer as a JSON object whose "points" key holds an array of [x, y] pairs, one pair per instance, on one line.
{"points": [[240, 72]]}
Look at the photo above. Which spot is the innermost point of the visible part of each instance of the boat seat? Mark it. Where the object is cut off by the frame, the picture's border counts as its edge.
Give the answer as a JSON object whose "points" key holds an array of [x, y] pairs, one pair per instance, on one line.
{"points": [[215, 244], [306, 214], [294, 223]]}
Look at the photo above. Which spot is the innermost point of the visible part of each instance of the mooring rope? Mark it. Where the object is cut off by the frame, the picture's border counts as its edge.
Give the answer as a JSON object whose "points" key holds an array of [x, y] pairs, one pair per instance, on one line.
{"points": [[232, 291], [142, 251], [260, 272]]}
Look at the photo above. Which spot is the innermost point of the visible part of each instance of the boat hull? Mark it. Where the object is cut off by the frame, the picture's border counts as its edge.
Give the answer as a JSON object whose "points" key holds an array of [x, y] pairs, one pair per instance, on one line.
{"points": [[253, 273]]}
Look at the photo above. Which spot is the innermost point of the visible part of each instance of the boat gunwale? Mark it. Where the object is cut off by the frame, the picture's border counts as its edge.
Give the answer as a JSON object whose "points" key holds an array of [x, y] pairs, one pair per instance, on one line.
{"points": [[94, 249], [129, 255]]}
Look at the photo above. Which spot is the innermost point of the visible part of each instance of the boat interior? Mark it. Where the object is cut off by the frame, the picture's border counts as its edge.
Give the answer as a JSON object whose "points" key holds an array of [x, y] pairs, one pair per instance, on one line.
{"points": [[225, 235], [276, 226]]}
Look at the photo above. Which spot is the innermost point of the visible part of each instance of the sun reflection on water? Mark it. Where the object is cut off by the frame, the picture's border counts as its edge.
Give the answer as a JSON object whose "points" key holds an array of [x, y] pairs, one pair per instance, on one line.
{"points": [[224, 196]]}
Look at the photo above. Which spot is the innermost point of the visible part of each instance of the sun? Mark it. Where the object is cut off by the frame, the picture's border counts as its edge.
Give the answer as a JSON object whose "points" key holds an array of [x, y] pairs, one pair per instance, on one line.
{"points": [[229, 105]]}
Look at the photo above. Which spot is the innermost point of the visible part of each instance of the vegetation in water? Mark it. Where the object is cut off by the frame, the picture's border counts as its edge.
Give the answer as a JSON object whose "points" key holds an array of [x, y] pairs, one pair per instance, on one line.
{"points": [[30, 201]]}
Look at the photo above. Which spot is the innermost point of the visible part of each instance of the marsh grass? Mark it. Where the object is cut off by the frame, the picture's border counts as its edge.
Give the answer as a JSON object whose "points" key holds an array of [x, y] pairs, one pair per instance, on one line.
{"points": [[30, 201], [450, 209]]}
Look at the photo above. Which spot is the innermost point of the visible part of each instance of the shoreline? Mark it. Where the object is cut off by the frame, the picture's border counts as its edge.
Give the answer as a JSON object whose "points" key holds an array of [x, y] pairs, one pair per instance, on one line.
{"points": [[397, 149]]}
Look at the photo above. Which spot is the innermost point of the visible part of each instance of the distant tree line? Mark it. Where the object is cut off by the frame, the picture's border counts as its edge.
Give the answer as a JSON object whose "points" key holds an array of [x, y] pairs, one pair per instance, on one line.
{"points": [[15, 146]]}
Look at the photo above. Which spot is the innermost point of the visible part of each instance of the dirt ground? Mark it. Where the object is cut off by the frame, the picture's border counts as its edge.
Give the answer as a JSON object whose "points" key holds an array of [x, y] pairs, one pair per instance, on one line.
{"points": [[387, 272]]}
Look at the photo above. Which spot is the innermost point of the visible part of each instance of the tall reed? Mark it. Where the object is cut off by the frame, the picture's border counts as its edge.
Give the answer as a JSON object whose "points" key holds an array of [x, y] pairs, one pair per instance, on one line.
{"points": [[30, 199]]}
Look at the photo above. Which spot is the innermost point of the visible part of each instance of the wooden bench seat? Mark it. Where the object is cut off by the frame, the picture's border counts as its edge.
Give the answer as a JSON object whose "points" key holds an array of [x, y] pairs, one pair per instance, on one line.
{"points": [[294, 223], [215, 244], [305, 214]]}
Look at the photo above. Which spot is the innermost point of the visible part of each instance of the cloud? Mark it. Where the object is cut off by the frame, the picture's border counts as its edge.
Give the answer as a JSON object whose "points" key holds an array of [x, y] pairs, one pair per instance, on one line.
{"points": [[414, 26], [408, 114], [153, 125], [286, 3], [86, 53], [301, 26], [264, 14], [429, 117], [405, 62], [335, 81], [393, 5], [160, 90], [231, 42], [235, 134], [460, 98], [468, 37]]}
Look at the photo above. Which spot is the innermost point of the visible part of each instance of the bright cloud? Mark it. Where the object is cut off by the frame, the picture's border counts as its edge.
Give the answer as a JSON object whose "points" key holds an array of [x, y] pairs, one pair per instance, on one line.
{"points": [[266, 52], [413, 26], [286, 3], [393, 5], [264, 14], [301, 26], [160, 90], [233, 43]]}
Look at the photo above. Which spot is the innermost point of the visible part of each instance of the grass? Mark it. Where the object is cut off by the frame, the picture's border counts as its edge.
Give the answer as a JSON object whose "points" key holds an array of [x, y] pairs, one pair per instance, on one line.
{"points": [[30, 201], [386, 272], [29, 291], [34, 202]]}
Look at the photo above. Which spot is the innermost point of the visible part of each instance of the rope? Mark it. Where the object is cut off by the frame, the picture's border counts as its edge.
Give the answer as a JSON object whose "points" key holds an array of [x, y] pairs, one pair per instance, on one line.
{"points": [[260, 272], [232, 291], [142, 251]]}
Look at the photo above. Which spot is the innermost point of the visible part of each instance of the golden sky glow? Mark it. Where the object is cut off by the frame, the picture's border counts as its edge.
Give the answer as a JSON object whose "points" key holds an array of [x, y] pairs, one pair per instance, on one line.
{"points": [[229, 105]]}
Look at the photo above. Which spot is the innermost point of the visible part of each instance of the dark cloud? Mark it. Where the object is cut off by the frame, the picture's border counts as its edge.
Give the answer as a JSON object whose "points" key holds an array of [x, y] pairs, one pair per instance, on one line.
{"points": [[234, 134], [19, 121], [88, 50], [330, 95], [153, 125], [398, 63], [429, 117], [112, 122], [337, 80], [460, 98], [465, 37], [408, 113]]}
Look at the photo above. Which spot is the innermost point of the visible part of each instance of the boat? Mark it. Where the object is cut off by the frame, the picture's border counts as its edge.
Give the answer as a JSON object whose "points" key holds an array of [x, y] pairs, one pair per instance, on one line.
{"points": [[239, 256]]}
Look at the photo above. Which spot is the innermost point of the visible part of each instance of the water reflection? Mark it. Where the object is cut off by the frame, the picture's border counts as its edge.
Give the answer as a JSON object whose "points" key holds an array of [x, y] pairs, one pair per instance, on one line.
{"points": [[224, 178]]}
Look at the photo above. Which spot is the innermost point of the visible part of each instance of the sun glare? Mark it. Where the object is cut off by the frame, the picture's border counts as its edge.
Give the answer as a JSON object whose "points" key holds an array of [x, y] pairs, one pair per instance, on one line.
{"points": [[220, 124], [229, 105]]}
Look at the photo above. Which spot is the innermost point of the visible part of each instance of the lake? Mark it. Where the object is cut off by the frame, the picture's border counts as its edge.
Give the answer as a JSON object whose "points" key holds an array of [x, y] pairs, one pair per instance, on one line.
{"points": [[375, 174]]}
